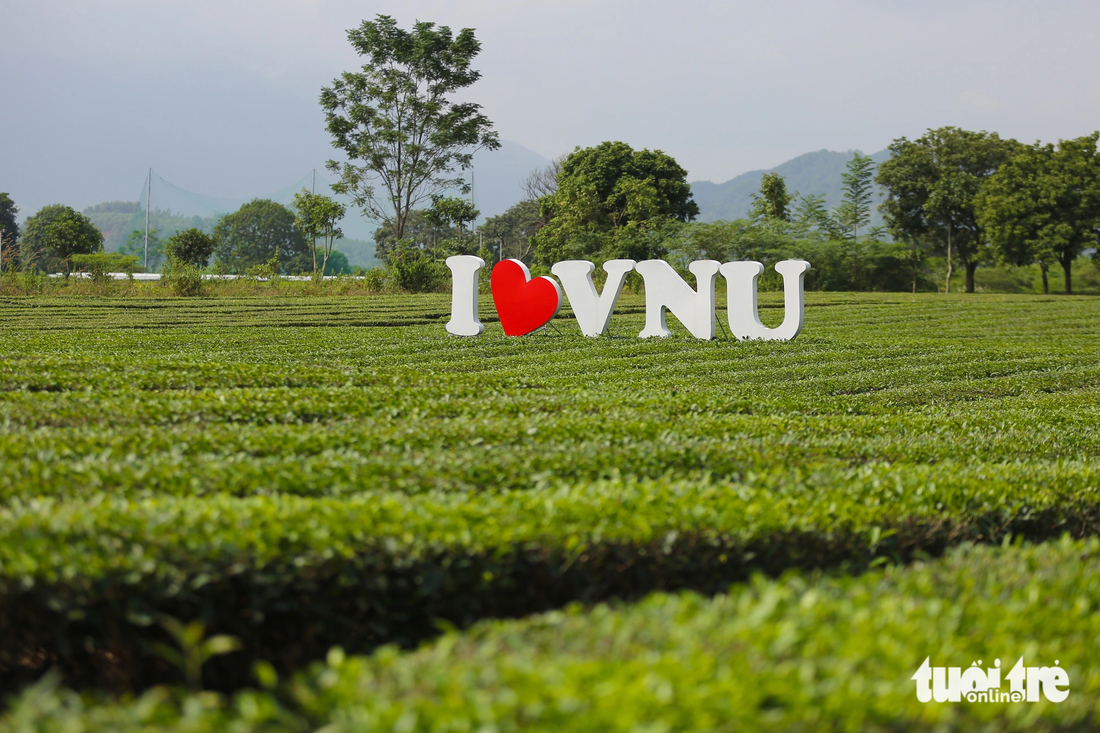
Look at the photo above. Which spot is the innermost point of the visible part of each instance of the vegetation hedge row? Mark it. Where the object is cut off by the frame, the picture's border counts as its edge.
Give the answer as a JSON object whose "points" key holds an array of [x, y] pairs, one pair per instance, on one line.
{"points": [[84, 582], [340, 471], [794, 654]]}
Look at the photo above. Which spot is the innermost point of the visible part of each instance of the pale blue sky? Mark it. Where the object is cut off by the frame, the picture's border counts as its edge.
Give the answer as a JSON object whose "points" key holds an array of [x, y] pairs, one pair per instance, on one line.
{"points": [[220, 97]]}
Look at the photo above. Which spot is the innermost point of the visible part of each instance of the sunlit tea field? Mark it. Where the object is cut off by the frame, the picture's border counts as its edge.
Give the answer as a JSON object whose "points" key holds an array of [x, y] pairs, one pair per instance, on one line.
{"points": [[405, 530]]}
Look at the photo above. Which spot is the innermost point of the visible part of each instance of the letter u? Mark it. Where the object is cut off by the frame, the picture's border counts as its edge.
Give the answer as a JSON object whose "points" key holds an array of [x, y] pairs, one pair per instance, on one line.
{"points": [[742, 311]]}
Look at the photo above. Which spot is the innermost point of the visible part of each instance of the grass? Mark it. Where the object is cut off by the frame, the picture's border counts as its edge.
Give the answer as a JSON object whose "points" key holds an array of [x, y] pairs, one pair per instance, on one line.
{"points": [[304, 472]]}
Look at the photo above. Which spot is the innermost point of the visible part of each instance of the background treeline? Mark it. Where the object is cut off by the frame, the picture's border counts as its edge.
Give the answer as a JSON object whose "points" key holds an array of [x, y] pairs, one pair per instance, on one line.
{"points": [[959, 210], [951, 210]]}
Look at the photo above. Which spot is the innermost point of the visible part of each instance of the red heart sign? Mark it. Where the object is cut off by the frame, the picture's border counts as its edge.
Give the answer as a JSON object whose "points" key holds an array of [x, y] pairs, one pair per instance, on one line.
{"points": [[522, 303]]}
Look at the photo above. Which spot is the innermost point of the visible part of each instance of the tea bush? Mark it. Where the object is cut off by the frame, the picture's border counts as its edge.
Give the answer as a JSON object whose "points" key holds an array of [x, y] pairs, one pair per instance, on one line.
{"points": [[304, 472]]}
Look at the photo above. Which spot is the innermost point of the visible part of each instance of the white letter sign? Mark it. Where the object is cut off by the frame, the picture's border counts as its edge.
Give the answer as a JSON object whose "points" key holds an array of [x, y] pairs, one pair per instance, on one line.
{"points": [[525, 304]]}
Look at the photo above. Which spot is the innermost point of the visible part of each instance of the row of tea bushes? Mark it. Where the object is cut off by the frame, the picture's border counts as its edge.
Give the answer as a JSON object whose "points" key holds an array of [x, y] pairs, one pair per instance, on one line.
{"points": [[804, 652], [81, 582]]}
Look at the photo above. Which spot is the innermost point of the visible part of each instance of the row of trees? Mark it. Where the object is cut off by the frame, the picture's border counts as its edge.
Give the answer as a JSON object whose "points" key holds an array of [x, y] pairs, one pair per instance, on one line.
{"points": [[979, 198], [970, 197], [261, 234]]}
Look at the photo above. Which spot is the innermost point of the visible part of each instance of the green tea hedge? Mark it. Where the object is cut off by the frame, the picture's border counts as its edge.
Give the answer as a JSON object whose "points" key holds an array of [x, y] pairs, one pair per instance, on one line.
{"points": [[800, 653]]}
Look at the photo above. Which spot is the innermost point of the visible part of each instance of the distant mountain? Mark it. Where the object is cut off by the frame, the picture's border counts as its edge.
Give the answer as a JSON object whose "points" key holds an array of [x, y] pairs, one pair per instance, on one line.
{"points": [[808, 174]]}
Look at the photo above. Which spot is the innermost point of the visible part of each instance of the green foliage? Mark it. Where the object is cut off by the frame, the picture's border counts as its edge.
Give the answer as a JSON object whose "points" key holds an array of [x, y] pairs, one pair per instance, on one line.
{"points": [[450, 211], [9, 223], [135, 245], [117, 220], [863, 265], [510, 235], [192, 648], [302, 473], [413, 271], [773, 202], [56, 233], [190, 247], [613, 201], [98, 266], [854, 211], [184, 279], [318, 217], [1043, 205], [806, 651], [418, 231], [257, 232], [931, 183], [395, 120], [337, 264]]}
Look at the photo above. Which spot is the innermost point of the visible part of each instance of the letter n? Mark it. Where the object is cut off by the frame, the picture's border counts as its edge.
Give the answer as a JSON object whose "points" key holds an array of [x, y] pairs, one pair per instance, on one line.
{"points": [[744, 317], [664, 289]]}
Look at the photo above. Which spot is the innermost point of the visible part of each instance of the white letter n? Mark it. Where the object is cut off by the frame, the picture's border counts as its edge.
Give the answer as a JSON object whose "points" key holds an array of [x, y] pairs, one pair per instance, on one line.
{"points": [[665, 289]]}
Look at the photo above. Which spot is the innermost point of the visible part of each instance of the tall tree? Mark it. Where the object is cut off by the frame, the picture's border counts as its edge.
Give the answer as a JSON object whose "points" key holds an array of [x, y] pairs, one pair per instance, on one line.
{"points": [[772, 203], [395, 122], [854, 211], [318, 217], [9, 233], [1043, 205], [613, 201], [9, 225], [930, 186], [56, 233], [253, 234]]}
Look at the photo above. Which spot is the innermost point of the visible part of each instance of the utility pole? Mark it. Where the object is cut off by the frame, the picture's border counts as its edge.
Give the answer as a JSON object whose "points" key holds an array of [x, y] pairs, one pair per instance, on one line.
{"points": [[313, 190], [148, 193]]}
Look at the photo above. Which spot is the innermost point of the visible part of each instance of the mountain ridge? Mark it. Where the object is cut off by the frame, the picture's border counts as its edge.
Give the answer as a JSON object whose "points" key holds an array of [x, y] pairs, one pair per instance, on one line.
{"points": [[817, 172]]}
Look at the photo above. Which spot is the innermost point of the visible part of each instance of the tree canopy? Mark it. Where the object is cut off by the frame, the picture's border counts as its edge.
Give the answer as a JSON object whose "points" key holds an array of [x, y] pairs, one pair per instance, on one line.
{"points": [[190, 247], [931, 183], [1043, 205], [9, 224], [773, 201], [251, 236], [613, 201], [404, 138], [854, 212], [509, 235], [56, 233], [318, 217]]}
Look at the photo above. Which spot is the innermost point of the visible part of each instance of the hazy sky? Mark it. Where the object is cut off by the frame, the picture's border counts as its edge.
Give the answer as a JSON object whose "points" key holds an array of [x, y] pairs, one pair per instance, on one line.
{"points": [[221, 97]]}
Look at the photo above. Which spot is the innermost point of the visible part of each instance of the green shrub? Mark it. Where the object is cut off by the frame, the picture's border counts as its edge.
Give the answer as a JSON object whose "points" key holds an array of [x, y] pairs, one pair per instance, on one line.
{"points": [[184, 279], [805, 652], [98, 266], [413, 271]]}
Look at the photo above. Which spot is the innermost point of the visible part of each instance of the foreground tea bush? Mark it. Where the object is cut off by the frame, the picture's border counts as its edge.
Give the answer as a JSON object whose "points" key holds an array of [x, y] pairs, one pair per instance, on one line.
{"points": [[799, 653], [307, 473]]}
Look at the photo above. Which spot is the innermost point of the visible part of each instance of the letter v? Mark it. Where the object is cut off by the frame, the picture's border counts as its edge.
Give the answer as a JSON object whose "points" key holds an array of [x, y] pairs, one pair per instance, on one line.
{"points": [[592, 310]]}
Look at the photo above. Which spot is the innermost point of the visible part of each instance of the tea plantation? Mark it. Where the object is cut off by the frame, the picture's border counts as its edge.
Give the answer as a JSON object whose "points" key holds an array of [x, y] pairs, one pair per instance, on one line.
{"points": [[687, 535]]}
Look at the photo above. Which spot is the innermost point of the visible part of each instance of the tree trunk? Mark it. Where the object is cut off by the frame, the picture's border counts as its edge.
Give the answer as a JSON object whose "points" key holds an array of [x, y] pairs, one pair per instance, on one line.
{"points": [[970, 268], [1044, 267], [1067, 266]]}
